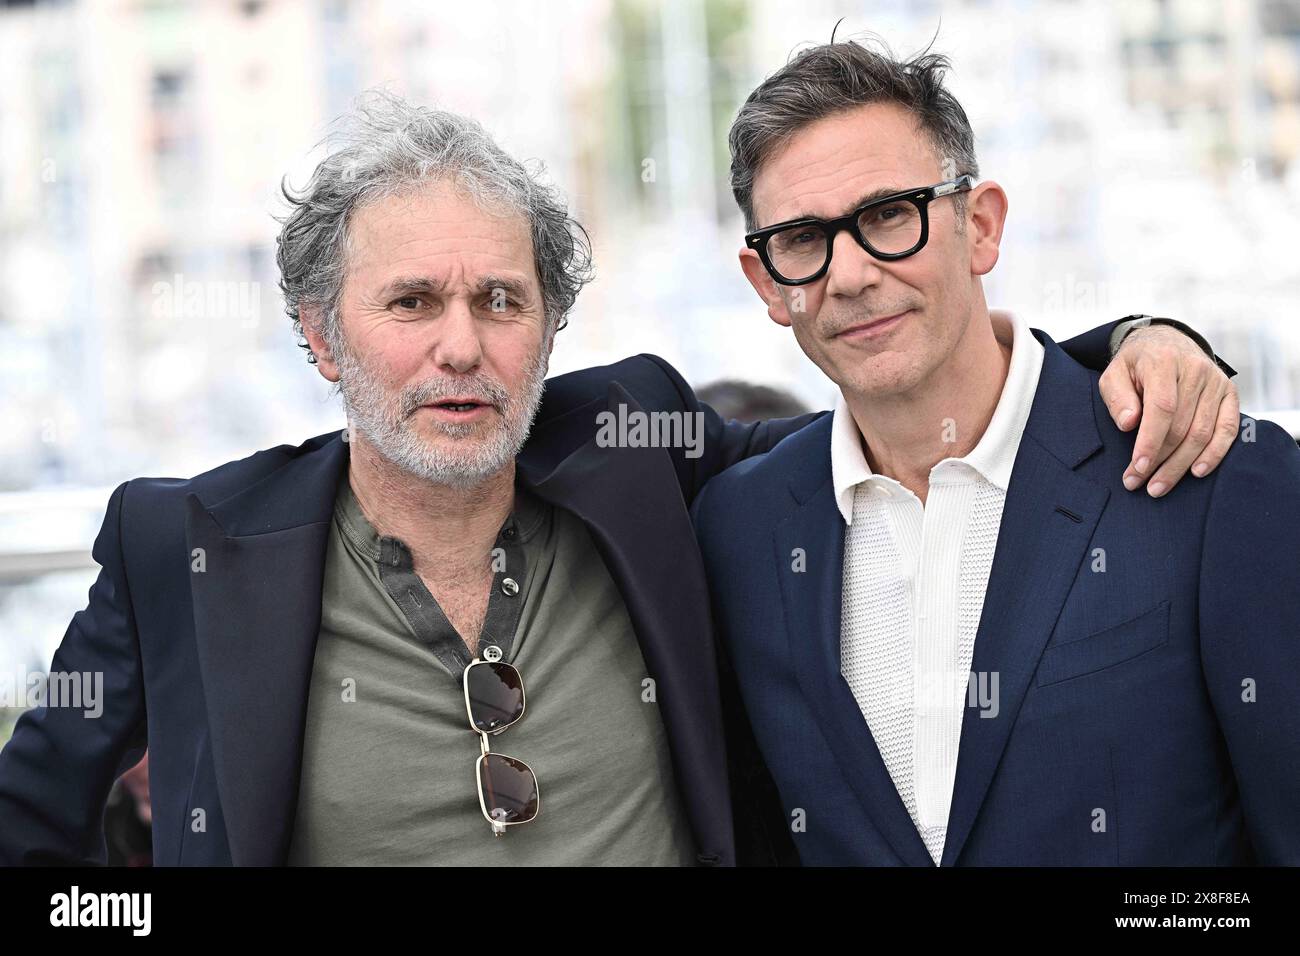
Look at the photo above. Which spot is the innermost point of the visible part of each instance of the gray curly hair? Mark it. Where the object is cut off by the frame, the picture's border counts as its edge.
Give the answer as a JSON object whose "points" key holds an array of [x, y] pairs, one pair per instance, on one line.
{"points": [[386, 146]]}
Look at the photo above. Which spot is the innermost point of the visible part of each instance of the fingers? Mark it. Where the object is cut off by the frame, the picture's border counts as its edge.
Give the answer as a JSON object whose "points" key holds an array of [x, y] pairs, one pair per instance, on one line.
{"points": [[1225, 433], [1121, 398], [1189, 408], [1202, 432], [1159, 387]]}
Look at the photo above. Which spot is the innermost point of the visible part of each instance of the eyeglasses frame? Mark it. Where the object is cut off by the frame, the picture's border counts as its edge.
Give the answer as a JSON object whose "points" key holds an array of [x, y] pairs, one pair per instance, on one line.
{"points": [[921, 198]]}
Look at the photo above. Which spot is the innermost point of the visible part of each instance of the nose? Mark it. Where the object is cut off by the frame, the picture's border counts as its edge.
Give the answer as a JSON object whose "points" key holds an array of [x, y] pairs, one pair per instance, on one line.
{"points": [[852, 268], [457, 347]]}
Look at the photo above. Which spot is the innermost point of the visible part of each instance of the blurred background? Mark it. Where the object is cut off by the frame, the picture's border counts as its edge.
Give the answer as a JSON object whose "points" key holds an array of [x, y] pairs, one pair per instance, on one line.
{"points": [[1150, 148]]}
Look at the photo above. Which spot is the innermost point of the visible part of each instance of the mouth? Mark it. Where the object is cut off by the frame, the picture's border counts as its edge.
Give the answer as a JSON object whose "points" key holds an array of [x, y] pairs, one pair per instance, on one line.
{"points": [[873, 329], [458, 408]]}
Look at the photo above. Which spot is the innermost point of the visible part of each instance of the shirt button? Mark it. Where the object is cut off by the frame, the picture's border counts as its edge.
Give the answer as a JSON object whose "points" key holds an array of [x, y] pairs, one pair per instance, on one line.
{"points": [[510, 587], [508, 534]]}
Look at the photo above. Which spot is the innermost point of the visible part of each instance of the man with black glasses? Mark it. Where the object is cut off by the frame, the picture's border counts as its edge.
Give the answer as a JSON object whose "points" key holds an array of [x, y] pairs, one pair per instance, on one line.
{"points": [[959, 639]]}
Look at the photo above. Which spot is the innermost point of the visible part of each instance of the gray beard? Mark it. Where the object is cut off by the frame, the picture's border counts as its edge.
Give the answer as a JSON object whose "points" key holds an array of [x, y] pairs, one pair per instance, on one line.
{"points": [[390, 430]]}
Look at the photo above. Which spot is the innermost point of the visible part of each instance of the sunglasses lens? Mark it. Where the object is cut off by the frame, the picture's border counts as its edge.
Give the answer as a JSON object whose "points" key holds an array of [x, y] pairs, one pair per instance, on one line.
{"points": [[495, 692], [508, 789]]}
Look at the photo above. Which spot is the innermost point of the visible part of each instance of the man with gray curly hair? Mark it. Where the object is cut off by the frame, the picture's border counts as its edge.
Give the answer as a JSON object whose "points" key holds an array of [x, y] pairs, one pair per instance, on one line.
{"points": [[326, 646], [385, 148]]}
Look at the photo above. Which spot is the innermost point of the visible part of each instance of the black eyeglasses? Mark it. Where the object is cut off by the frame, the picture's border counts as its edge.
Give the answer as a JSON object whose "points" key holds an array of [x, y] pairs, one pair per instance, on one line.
{"points": [[894, 227], [507, 787]]}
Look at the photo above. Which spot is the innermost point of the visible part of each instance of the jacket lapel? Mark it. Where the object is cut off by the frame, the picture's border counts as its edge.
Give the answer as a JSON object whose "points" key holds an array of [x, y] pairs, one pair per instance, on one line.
{"points": [[631, 503], [812, 601], [257, 610], [1047, 521]]}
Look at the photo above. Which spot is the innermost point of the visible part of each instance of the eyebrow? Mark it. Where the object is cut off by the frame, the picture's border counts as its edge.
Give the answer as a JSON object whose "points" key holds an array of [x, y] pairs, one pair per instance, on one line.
{"points": [[872, 196], [417, 284], [405, 285], [513, 287]]}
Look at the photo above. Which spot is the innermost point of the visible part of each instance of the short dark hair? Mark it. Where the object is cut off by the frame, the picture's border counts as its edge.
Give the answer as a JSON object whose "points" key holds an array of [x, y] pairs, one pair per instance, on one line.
{"points": [[828, 79]]}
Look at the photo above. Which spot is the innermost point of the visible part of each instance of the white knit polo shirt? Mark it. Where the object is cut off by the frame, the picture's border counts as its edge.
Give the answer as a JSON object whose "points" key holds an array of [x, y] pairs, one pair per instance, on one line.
{"points": [[913, 590]]}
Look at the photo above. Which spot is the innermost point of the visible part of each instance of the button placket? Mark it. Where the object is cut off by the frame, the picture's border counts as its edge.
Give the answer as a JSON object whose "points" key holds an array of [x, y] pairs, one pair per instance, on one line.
{"points": [[504, 607]]}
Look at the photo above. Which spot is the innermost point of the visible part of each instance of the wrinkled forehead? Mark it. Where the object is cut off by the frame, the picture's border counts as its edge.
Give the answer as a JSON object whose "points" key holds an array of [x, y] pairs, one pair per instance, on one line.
{"points": [[832, 165], [442, 226]]}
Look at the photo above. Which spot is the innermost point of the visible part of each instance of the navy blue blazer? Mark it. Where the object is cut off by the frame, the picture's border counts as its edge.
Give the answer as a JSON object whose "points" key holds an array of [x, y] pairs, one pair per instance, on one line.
{"points": [[1163, 691], [212, 668]]}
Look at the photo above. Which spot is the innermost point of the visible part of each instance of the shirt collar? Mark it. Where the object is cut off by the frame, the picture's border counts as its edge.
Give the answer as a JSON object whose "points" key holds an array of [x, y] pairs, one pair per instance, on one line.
{"points": [[849, 466], [992, 457], [995, 454], [522, 523]]}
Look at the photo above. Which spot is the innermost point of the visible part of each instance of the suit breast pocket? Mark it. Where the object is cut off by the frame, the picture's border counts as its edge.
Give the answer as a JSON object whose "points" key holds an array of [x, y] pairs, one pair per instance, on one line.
{"points": [[1105, 648]]}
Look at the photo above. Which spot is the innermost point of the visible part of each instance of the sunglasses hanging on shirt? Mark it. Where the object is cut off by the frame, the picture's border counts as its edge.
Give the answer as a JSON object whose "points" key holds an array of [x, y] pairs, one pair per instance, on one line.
{"points": [[494, 699]]}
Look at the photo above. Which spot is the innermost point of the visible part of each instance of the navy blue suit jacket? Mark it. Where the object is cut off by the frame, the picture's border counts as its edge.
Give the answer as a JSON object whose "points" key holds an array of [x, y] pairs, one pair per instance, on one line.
{"points": [[1126, 691], [212, 669]]}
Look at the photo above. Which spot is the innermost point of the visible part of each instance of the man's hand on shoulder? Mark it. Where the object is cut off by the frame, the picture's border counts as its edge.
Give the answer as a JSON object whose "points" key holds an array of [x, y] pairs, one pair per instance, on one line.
{"points": [[1187, 407]]}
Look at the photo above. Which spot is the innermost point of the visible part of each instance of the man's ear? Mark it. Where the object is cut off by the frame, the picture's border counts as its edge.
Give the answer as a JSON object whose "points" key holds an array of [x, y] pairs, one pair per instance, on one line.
{"points": [[986, 212], [766, 288], [310, 317]]}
